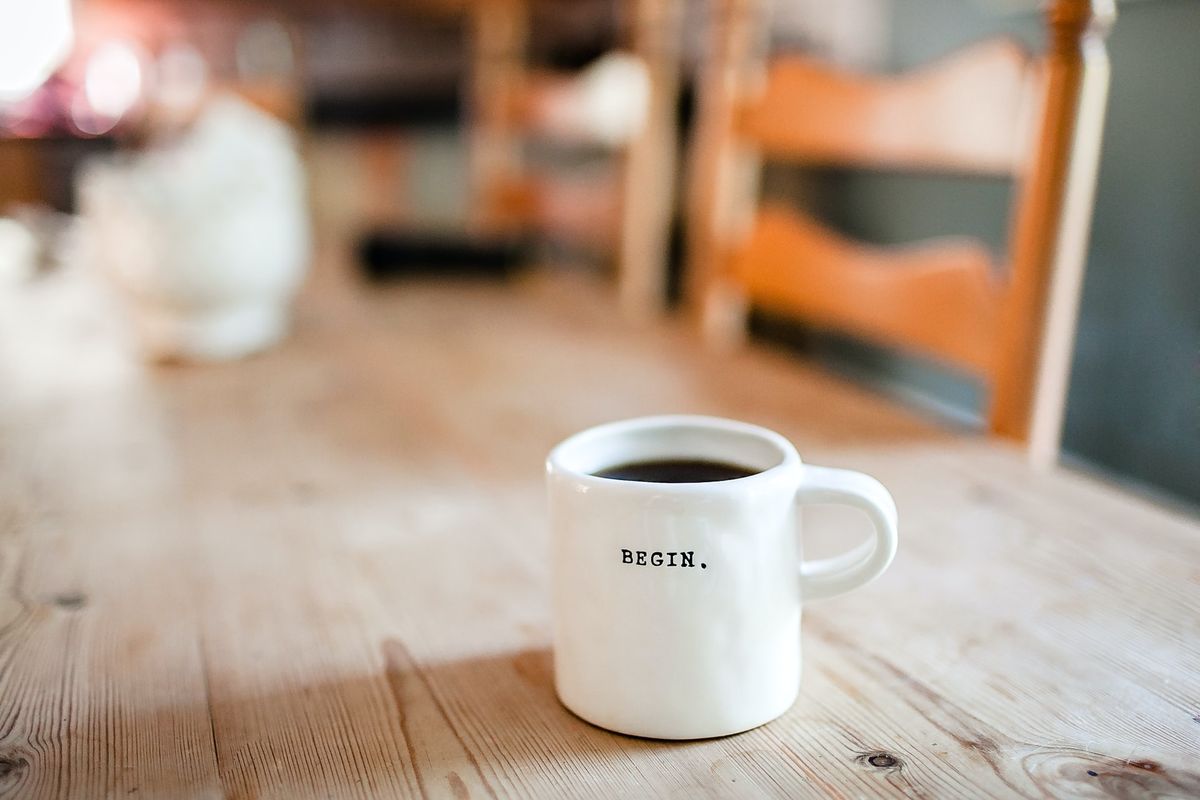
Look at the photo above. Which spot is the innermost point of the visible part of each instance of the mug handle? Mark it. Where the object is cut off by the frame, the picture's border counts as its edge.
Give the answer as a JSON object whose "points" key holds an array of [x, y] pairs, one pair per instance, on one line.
{"points": [[827, 577]]}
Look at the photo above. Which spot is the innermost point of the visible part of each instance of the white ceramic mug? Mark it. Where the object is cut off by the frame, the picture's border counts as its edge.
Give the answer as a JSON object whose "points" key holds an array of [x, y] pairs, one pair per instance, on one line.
{"points": [[677, 605]]}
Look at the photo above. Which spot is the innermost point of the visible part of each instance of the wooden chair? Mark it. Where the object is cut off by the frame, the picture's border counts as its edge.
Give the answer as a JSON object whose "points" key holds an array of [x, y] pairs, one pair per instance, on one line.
{"points": [[511, 103], [990, 109]]}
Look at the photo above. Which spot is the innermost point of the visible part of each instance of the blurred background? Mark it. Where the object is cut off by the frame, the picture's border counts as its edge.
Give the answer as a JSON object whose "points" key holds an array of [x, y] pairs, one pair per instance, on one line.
{"points": [[383, 138]]}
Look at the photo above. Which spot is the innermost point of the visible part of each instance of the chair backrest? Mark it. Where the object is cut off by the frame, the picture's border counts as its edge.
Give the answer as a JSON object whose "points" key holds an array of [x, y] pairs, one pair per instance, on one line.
{"points": [[990, 109], [512, 103]]}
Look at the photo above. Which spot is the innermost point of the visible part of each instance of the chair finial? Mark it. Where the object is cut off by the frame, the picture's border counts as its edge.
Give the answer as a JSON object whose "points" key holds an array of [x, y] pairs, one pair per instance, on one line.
{"points": [[1073, 20]]}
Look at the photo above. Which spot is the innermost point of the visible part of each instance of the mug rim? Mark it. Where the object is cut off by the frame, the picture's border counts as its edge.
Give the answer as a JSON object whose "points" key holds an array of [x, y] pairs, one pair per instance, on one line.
{"points": [[789, 458]]}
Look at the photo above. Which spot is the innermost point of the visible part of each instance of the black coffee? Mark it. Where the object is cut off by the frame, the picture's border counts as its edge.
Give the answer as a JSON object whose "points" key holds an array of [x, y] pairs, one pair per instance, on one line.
{"points": [[676, 470]]}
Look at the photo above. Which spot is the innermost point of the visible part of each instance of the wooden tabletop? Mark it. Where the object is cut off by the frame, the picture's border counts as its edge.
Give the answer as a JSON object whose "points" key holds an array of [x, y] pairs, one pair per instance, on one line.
{"points": [[322, 572]]}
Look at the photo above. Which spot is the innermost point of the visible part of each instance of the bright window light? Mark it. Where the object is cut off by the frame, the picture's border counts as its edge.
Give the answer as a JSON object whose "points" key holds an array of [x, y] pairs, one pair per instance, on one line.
{"points": [[35, 38], [113, 80]]}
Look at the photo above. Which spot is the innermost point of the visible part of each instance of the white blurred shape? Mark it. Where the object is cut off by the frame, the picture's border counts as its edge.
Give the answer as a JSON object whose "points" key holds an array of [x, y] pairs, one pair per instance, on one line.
{"points": [[181, 78], [614, 96], [18, 251], [112, 81], [86, 120], [207, 231], [35, 38]]}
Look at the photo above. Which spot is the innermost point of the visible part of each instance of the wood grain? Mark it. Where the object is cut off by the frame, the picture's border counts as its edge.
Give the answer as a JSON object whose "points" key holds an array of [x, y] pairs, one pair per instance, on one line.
{"points": [[323, 571]]}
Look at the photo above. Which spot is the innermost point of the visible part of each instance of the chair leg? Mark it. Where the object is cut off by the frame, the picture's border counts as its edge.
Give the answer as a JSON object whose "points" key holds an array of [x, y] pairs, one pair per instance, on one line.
{"points": [[648, 200], [498, 38]]}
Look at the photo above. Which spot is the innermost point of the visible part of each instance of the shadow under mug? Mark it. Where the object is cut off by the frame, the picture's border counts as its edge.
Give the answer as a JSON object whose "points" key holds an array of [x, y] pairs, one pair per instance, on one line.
{"points": [[677, 605]]}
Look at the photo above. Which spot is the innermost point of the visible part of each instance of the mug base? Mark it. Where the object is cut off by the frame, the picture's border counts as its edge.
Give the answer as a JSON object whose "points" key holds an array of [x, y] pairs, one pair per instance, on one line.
{"points": [[666, 734], [220, 334]]}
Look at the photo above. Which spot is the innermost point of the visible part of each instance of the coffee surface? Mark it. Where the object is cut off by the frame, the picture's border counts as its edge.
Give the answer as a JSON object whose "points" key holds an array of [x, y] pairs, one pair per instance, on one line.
{"points": [[676, 470]]}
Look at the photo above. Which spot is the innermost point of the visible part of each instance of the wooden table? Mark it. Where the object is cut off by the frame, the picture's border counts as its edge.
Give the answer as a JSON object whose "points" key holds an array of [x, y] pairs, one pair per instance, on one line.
{"points": [[322, 572]]}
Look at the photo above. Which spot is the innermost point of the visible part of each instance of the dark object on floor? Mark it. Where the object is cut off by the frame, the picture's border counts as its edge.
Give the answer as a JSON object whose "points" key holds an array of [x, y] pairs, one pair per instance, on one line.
{"points": [[399, 254]]}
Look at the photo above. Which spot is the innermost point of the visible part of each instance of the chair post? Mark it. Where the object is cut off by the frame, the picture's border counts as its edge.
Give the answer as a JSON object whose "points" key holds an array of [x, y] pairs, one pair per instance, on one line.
{"points": [[1049, 245], [498, 34], [723, 176], [647, 202]]}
